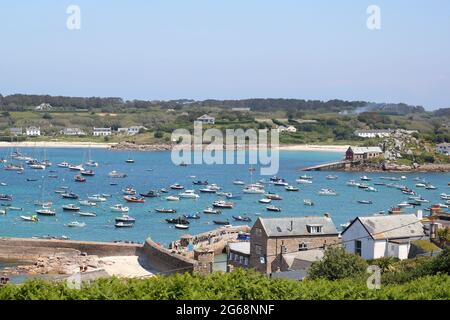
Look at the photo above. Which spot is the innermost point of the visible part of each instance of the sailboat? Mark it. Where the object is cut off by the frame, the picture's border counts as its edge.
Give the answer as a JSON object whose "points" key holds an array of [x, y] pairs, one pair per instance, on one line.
{"points": [[90, 162], [253, 188]]}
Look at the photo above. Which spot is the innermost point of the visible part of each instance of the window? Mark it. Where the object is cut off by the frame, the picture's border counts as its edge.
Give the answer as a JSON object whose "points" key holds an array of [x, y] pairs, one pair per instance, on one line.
{"points": [[231, 256], [258, 250], [314, 229], [258, 232], [358, 246], [302, 246], [236, 258], [245, 261]]}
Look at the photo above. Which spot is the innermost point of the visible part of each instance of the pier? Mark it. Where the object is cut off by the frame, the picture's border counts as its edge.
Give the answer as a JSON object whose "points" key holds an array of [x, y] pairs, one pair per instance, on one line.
{"points": [[336, 165]]}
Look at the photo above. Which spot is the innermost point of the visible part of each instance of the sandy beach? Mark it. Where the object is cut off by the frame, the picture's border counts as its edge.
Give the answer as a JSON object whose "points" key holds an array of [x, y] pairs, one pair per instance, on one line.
{"points": [[65, 144]]}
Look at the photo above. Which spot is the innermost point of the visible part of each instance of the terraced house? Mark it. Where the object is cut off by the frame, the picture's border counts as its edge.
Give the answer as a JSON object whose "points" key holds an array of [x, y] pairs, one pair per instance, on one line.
{"points": [[274, 241]]}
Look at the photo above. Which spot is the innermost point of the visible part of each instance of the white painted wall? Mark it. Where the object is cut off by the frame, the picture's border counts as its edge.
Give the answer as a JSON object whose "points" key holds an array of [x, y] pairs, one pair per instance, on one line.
{"points": [[357, 231]]}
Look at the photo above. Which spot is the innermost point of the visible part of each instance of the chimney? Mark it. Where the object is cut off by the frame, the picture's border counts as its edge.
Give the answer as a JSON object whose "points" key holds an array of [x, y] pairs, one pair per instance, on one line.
{"points": [[419, 214], [327, 215]]}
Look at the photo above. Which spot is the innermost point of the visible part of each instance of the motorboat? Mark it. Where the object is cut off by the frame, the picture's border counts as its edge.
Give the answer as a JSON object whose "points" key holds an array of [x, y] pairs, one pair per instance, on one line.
{"points": [[14, 208], [87, 214], [129, 191], [404, 204], [181, 226], [273, 196], [89, 173], [192, 216], [200, 183], [331, 177], [87, 203], [291, 188], [134, 199], [176, 186], [163, 190], [2, 212], [116, 174], [223, 204], [208, 189], [150, 194], [242, 218], [97, 198], [124, 225], [353, 183], [253, 189], [6, 197], [222, 222], [80, 179], [445, 196], [76, 167], [91, 163], [211, 211], [395, 210], [308, 202], [238, 182], [303, 181], [327, 192], [125, 218], [420, 185], [69, 195], [37, 166], [365, 202], [172, 198], [70, 207], [365, 178], [281, 183], [29, 218], [189, 194], [13, 167], [130, 161], [265, 201], [306, 177], [76, 224], [119, 208], [179, 220], [429, 186], [370, 189], [63, 165], [273, 208], [232, 196], [165, 210], [363, 186]]}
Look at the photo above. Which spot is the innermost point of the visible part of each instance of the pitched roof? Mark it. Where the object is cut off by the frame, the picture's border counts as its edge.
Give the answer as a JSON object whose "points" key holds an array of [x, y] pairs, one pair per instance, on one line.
{"points": [[241, 247], [206, 117], [362, 150], [392, 227], [297, 226]]}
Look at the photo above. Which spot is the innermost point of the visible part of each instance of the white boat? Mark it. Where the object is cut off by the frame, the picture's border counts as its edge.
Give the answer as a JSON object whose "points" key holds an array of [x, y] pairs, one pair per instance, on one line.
{"points": [[303, 181], [327, 192], [182, 226], [291, 188], [172, 198], [308, 202], [238, 182], [189, 194], [371, 189], [365, 178], [46, 212], [404, 204], [116, 174], [331, 177], [37, 166], [353, 183], [97, 198], [76, 224], [63, 165], [88, 214], [29, 218], [211, 211], [253, 189], [429, 186], [176, 186], [208, 190], [281, 183], [87, 203], [126, 219], [445, 196], [76, 167], [119, 208], [265, 201], [420, 185], [2, 212], [129, 191], [306, 177]]}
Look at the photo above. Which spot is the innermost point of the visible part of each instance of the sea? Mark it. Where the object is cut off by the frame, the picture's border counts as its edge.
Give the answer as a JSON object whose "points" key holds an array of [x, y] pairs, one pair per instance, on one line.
{"points": [[155, 170]]}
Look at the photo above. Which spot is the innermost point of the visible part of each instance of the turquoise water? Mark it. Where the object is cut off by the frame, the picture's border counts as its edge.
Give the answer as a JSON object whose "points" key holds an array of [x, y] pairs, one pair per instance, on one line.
{"points": [[154, 170]]}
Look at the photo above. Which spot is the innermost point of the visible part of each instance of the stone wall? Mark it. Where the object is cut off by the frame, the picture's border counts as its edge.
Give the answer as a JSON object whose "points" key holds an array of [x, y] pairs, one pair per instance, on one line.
{"points": [[28, 249]]}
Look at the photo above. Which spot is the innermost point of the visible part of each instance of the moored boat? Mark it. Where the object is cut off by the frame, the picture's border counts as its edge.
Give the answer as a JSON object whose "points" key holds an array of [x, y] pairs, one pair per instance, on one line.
{"points": [[134, 199]]}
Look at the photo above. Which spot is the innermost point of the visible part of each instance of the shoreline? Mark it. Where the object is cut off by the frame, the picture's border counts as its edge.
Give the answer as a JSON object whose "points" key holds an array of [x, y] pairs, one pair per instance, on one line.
{"points": [[153, 147]]}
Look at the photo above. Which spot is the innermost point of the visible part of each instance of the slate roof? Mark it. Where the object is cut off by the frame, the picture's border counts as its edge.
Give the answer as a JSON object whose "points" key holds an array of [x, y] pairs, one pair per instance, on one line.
{"points": [[362, 150], [297, 226], [240, 247]]}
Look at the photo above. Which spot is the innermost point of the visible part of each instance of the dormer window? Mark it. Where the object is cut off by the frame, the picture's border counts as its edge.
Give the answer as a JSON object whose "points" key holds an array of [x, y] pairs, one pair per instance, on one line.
{"points": [[314, 228]]}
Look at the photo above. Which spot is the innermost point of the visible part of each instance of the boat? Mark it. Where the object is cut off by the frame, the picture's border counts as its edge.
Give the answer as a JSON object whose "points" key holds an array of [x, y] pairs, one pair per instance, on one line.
{"points": [[211, 211], [181, 226], [129, 191], [29, 218], [13, 167], [192, 216], [125, 218], [189, 194], [308, 202], [292, 189], [163, 190], [200, 183], [88, 214], [134, 199], [238, 182], [352, 183], [395, 210], [242, 218], [222, 222], [69, 195], [150, 194], [253, 189], [119, 208], [420, 185], [129, 161], [303, 181], [176, 186], [70, 207], [429, 186], [80, 179], [37, 166], [2, 212], [14, 208], [208, 190], [46, 211], [365, 202], [445, 196], [76, 224], [91, 163], [363, 186], [6, 197], [306, 177], [331, 177], [116, 174], [3, 184], [371, 189], [273, 196], [76, 167], [88, 173], [273, 208], [165, 210], [124, 225], [265, 201], [97, 198], [172, 198], [179, 220], [223, 204], [281, 183], [403, 204], [87, 203], [232, 196], [327, 192], [63, 165], [365, 178]]}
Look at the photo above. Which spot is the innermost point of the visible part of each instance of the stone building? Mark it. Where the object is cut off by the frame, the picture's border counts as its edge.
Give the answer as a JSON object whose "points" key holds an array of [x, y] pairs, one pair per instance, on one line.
{"points": [[273, 238], [362, 153]]}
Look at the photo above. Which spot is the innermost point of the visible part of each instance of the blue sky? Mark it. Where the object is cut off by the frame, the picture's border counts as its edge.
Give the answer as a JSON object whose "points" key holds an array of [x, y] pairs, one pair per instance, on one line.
{"points": [[229, 49]]}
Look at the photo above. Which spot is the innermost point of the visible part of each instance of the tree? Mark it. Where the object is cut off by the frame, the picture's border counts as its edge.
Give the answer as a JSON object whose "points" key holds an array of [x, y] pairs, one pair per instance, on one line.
{"points": [[47, 116], [443, 236], [337, 264], [159, 134]]}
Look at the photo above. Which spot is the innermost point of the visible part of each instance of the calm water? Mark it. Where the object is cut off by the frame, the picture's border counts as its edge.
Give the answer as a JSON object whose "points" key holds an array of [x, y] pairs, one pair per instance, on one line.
{"points": [[154, 170]]}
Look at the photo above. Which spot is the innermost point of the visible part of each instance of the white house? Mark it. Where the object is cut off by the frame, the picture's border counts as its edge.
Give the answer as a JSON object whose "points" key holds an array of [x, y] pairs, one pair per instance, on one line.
{"points": [[383, 236], [443, 148], [43, 107], [102, 132], [206, 119], [72, 132], [373, 133], [135, 130], [286, 129], [33, 131], [16, 131]]}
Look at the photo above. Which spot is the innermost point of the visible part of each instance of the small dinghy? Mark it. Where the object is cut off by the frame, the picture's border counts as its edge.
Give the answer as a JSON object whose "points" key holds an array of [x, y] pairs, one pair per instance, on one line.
{"points": [[15, 209], [265, 201], [212, 211], [292, 189], [87, 214], [80, 179], [29, 218], [222, 222], [76, 224], [273, 208], [70, 207], [124, 225], [133, 199], [165, 210], [192, 216], [242, 218], [119, 208], [181, 226], [126, 219], [365, 202]]}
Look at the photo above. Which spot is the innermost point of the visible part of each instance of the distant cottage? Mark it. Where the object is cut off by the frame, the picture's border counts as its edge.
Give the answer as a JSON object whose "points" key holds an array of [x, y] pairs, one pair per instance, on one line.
{"points": [[443, 148], [206, 119], [102, 132], [373, 133], [16, 132], [72, 132], [362, 153], [271, 239], [33, 131]]}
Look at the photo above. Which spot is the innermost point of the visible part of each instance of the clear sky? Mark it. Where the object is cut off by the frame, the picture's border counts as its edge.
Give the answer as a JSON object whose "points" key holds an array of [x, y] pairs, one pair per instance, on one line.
{"points": [[229, 49]]}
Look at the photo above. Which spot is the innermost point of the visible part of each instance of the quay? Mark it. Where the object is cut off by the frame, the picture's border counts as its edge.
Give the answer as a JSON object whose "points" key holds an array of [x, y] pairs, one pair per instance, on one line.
{"points": [[336, 165]]}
